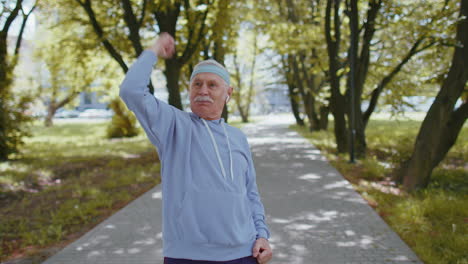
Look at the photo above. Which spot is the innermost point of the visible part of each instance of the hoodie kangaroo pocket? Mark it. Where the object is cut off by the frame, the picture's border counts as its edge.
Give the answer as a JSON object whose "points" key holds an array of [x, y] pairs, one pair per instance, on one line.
{"points": [[216, 217]]}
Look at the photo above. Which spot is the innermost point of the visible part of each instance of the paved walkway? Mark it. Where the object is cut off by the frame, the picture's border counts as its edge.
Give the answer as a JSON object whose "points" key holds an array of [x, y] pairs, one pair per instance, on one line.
{"points": [[314, 214]]}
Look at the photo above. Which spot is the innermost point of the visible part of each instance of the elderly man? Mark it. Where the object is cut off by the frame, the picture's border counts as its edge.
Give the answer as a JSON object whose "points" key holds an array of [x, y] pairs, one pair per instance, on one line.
{"points": [[212, 211]]}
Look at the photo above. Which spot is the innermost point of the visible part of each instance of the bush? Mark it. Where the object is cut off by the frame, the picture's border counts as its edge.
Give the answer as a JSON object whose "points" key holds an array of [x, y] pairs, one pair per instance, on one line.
{"points": [[123, 122], [13, 119]]}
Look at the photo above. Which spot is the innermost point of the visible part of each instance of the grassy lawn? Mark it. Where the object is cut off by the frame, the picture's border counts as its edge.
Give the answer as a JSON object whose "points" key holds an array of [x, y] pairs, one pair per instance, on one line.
{"points": [[67, 179], [434, 221]]}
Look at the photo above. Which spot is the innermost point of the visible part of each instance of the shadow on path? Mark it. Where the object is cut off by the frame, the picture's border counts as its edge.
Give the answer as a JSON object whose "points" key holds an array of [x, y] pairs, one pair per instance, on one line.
{"points": [[314, 214]]}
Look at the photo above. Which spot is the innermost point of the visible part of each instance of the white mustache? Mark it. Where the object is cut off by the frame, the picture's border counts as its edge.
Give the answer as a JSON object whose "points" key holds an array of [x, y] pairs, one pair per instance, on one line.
{"points": [[201, 98]]}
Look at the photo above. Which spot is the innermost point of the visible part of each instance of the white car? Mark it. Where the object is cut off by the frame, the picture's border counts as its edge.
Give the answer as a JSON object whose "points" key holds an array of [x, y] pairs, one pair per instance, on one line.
{"points": [[65, 113], [96, 113]]}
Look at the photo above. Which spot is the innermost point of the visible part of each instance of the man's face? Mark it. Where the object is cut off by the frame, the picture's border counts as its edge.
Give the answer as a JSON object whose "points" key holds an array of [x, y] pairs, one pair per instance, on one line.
{"points": [[208, 94]]}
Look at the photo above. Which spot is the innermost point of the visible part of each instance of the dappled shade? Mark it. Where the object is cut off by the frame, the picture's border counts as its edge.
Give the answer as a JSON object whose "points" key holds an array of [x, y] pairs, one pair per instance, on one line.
{"points": [[314, 215]]}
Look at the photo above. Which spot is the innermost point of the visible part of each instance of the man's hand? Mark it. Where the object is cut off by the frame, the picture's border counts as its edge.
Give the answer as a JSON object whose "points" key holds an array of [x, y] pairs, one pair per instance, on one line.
{"points": [[262, 251], [164, 46]]}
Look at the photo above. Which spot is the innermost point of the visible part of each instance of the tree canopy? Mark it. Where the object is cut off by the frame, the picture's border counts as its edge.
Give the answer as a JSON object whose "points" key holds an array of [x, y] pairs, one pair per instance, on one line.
{"points": [[347, 58]]}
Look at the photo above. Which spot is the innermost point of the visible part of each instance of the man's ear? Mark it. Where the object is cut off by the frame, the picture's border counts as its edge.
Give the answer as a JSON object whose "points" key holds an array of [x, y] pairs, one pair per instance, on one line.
{"points": [[229, 93]]}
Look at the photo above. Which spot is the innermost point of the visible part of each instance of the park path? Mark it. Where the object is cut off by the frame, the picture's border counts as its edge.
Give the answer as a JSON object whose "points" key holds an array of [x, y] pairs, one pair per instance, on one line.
{"points": [[314, 214]]}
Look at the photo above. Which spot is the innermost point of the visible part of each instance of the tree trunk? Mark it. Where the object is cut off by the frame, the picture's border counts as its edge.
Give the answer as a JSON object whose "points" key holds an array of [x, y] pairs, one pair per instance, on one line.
{"points": [[225, 113], [442, 124], [296, 62], [324, 111], [361, 74], [51, 109], [338, 106], [359, 66], [237, 95], [4, 65], [244, 117], [360, 132], [293, 95], [167, 21], [172, 73], [54, 106], [218, 54], [252, 75], [312, 90], [305, 95], [294, 105], [337, 100]]}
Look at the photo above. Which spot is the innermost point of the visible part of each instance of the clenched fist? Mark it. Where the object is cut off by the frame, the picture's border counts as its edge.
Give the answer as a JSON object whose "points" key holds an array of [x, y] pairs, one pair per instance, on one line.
{"points": [[164, 46], [262, 251]]}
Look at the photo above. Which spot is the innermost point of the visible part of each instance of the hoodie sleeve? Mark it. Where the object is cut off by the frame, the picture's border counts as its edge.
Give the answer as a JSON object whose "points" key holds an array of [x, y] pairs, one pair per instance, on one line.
{"points": [[258, 211], [156, 117]]}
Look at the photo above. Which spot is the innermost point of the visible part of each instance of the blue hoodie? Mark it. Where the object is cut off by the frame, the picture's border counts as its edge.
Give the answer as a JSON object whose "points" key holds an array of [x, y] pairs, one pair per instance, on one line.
{"points": [[207, 214]]}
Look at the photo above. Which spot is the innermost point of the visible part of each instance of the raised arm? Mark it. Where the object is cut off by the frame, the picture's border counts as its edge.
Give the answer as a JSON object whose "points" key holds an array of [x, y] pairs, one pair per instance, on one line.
{"points": [[138, 76], [155, 117]]}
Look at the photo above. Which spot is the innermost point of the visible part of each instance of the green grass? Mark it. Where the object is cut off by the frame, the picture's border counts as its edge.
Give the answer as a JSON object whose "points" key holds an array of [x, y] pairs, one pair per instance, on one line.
{"points": [[67, 179], [433, 221]]}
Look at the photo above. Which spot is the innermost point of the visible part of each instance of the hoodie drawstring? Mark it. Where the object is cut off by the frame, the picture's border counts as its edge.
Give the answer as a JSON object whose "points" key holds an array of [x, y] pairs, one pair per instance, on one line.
{"points": [[217, 151]]}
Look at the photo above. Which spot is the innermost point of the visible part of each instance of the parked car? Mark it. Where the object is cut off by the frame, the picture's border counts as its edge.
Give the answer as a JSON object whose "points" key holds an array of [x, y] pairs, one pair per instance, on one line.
{"points": [[38, 114], [96, 113], [65, 113]]}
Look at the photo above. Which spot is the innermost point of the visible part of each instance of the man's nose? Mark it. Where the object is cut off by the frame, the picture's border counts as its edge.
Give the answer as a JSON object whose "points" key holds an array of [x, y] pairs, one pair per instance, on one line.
{"points": [[203, 89]]}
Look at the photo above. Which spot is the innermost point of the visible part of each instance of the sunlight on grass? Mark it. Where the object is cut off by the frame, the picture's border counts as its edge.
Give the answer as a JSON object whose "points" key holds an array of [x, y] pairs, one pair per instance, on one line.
{"points": [[67, 179], [433, 222], [433, 219]]}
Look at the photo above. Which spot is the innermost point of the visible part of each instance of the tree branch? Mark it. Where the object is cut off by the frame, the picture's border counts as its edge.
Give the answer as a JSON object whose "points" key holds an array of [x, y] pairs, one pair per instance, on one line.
{"points": [[252, 75], [387, 79], [142, 15], [100, 33], [23, 26], [133, 25], [369, 30], [192, 45], [167, 18], [12, 17], [67, 99]]}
